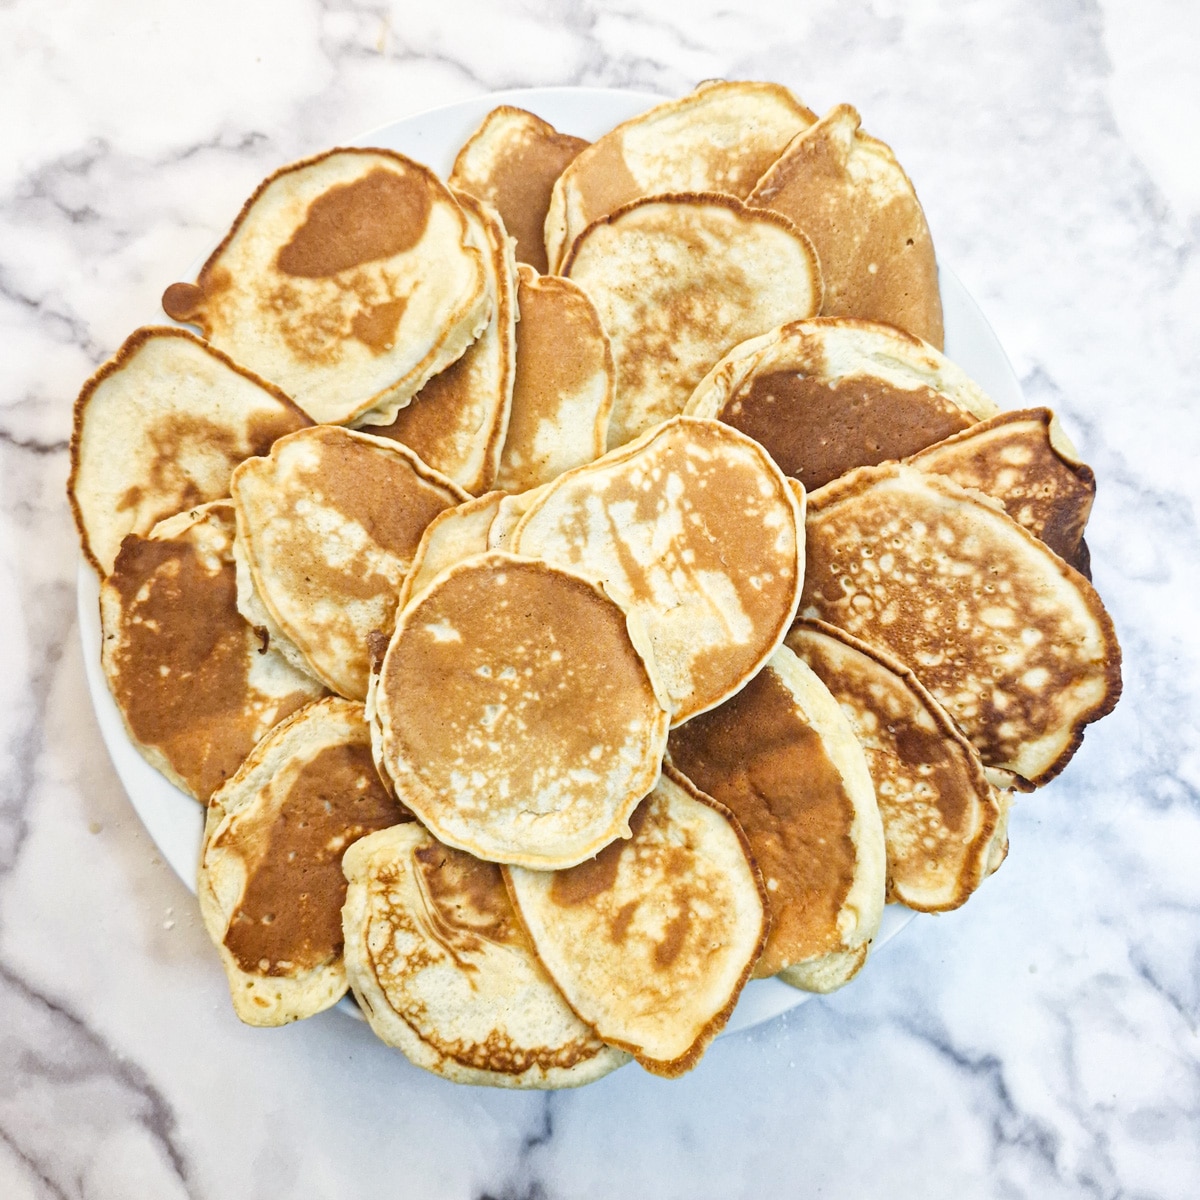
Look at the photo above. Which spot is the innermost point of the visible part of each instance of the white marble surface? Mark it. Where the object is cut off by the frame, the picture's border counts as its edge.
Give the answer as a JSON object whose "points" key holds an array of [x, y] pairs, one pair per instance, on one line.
{"points": [[1042, 1041]]}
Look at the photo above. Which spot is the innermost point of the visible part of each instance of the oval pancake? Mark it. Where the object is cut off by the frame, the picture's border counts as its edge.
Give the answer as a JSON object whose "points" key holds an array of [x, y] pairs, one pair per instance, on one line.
{"points": [[329, 522], [846, 190], [270, 882], [1013, 643], [653, 940], [443, 969], [719, 138], [159, 429], [678, 281], [783, 758], [515, 713], [348, 279], [827, 395], [193, 681], [692, 529]]}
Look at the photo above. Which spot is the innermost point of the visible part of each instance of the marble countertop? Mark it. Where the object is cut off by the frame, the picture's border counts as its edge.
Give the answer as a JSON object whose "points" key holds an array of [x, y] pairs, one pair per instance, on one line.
{"points": [[1041, 1041]]}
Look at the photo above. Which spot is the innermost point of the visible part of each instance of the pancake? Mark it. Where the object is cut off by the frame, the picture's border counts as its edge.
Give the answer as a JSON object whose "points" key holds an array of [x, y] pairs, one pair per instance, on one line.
{"points": [[1012, 642], [511, 161], [508, 516], [940, 814], [515, 713], [828, 395], [443, 970], [193, 681], [329, 522], [783, 758], [158, 429], [348, 279], [846, 190], [652, 941], [457, 421], [270, 883], [695, 533], [678, 281], [563, 394], [719, 138]]}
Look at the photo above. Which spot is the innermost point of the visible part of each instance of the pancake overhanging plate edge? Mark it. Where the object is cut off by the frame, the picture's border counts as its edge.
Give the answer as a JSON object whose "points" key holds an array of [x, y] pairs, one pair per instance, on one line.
{"points": [[175, 822]]}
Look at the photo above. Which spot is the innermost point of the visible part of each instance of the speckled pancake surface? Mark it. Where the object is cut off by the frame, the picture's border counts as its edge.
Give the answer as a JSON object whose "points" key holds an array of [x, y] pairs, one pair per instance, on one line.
{"points": [[515, 713], [848, 193], [329, 523], [270, 881], [192, 679], [158, 429], [1012, 642], [693, 530], [652, 940], [348, 279], [678, 281]]}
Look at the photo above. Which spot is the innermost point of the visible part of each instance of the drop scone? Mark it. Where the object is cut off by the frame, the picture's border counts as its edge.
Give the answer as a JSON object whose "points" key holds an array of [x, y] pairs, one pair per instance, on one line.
{"points": [[653, 940], [1014, 643], [451, 536], [270, 881], [783, 758], [328, 524], [348, 279], [515, 712], [719, 138], [443, 970], [694, 531], [159, 428], [512, 161], [827, 395], [942, 820], [678, 281], [848, 193], [194, 682]]}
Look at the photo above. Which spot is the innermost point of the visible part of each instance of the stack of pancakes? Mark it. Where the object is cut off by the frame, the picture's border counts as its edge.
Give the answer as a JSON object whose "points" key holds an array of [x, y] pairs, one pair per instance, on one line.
{"points": [[563, 630]]}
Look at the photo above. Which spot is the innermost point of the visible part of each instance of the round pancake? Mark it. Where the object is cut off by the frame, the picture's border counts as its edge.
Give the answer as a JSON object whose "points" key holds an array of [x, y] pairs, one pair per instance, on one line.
{"points": [[512, 161], [563, 394], [508, 516], [652, 941], [158, 429], [192, 679], [694, 531], [846, 190], [443, 969], [329, 522], [1012, 642], [719, 138], [940, 814], [827, 395], [515, 714], [270, 882], [678, 281], [783, 758], [348, 279]]}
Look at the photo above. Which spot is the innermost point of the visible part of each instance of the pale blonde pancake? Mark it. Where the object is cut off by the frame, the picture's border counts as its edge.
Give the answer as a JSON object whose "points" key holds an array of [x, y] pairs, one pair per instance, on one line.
{"points": [[508, 516], [783, 758], [678, 281], [653, 940], [270, 882], [719, 138], [515, 712], [693, 530], [194, 682], [1013, 643], [158, 429], [846, 190], [563, 395], [329, 523], [348, 279]]}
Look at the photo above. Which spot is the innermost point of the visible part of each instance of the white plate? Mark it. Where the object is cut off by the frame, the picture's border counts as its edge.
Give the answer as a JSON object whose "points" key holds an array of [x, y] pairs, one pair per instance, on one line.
{"points": [[176, 821]]}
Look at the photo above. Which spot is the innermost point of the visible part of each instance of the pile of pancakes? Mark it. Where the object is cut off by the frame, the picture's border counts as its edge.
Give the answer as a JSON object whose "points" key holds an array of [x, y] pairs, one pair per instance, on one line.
{"points": [[582, 585]]}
